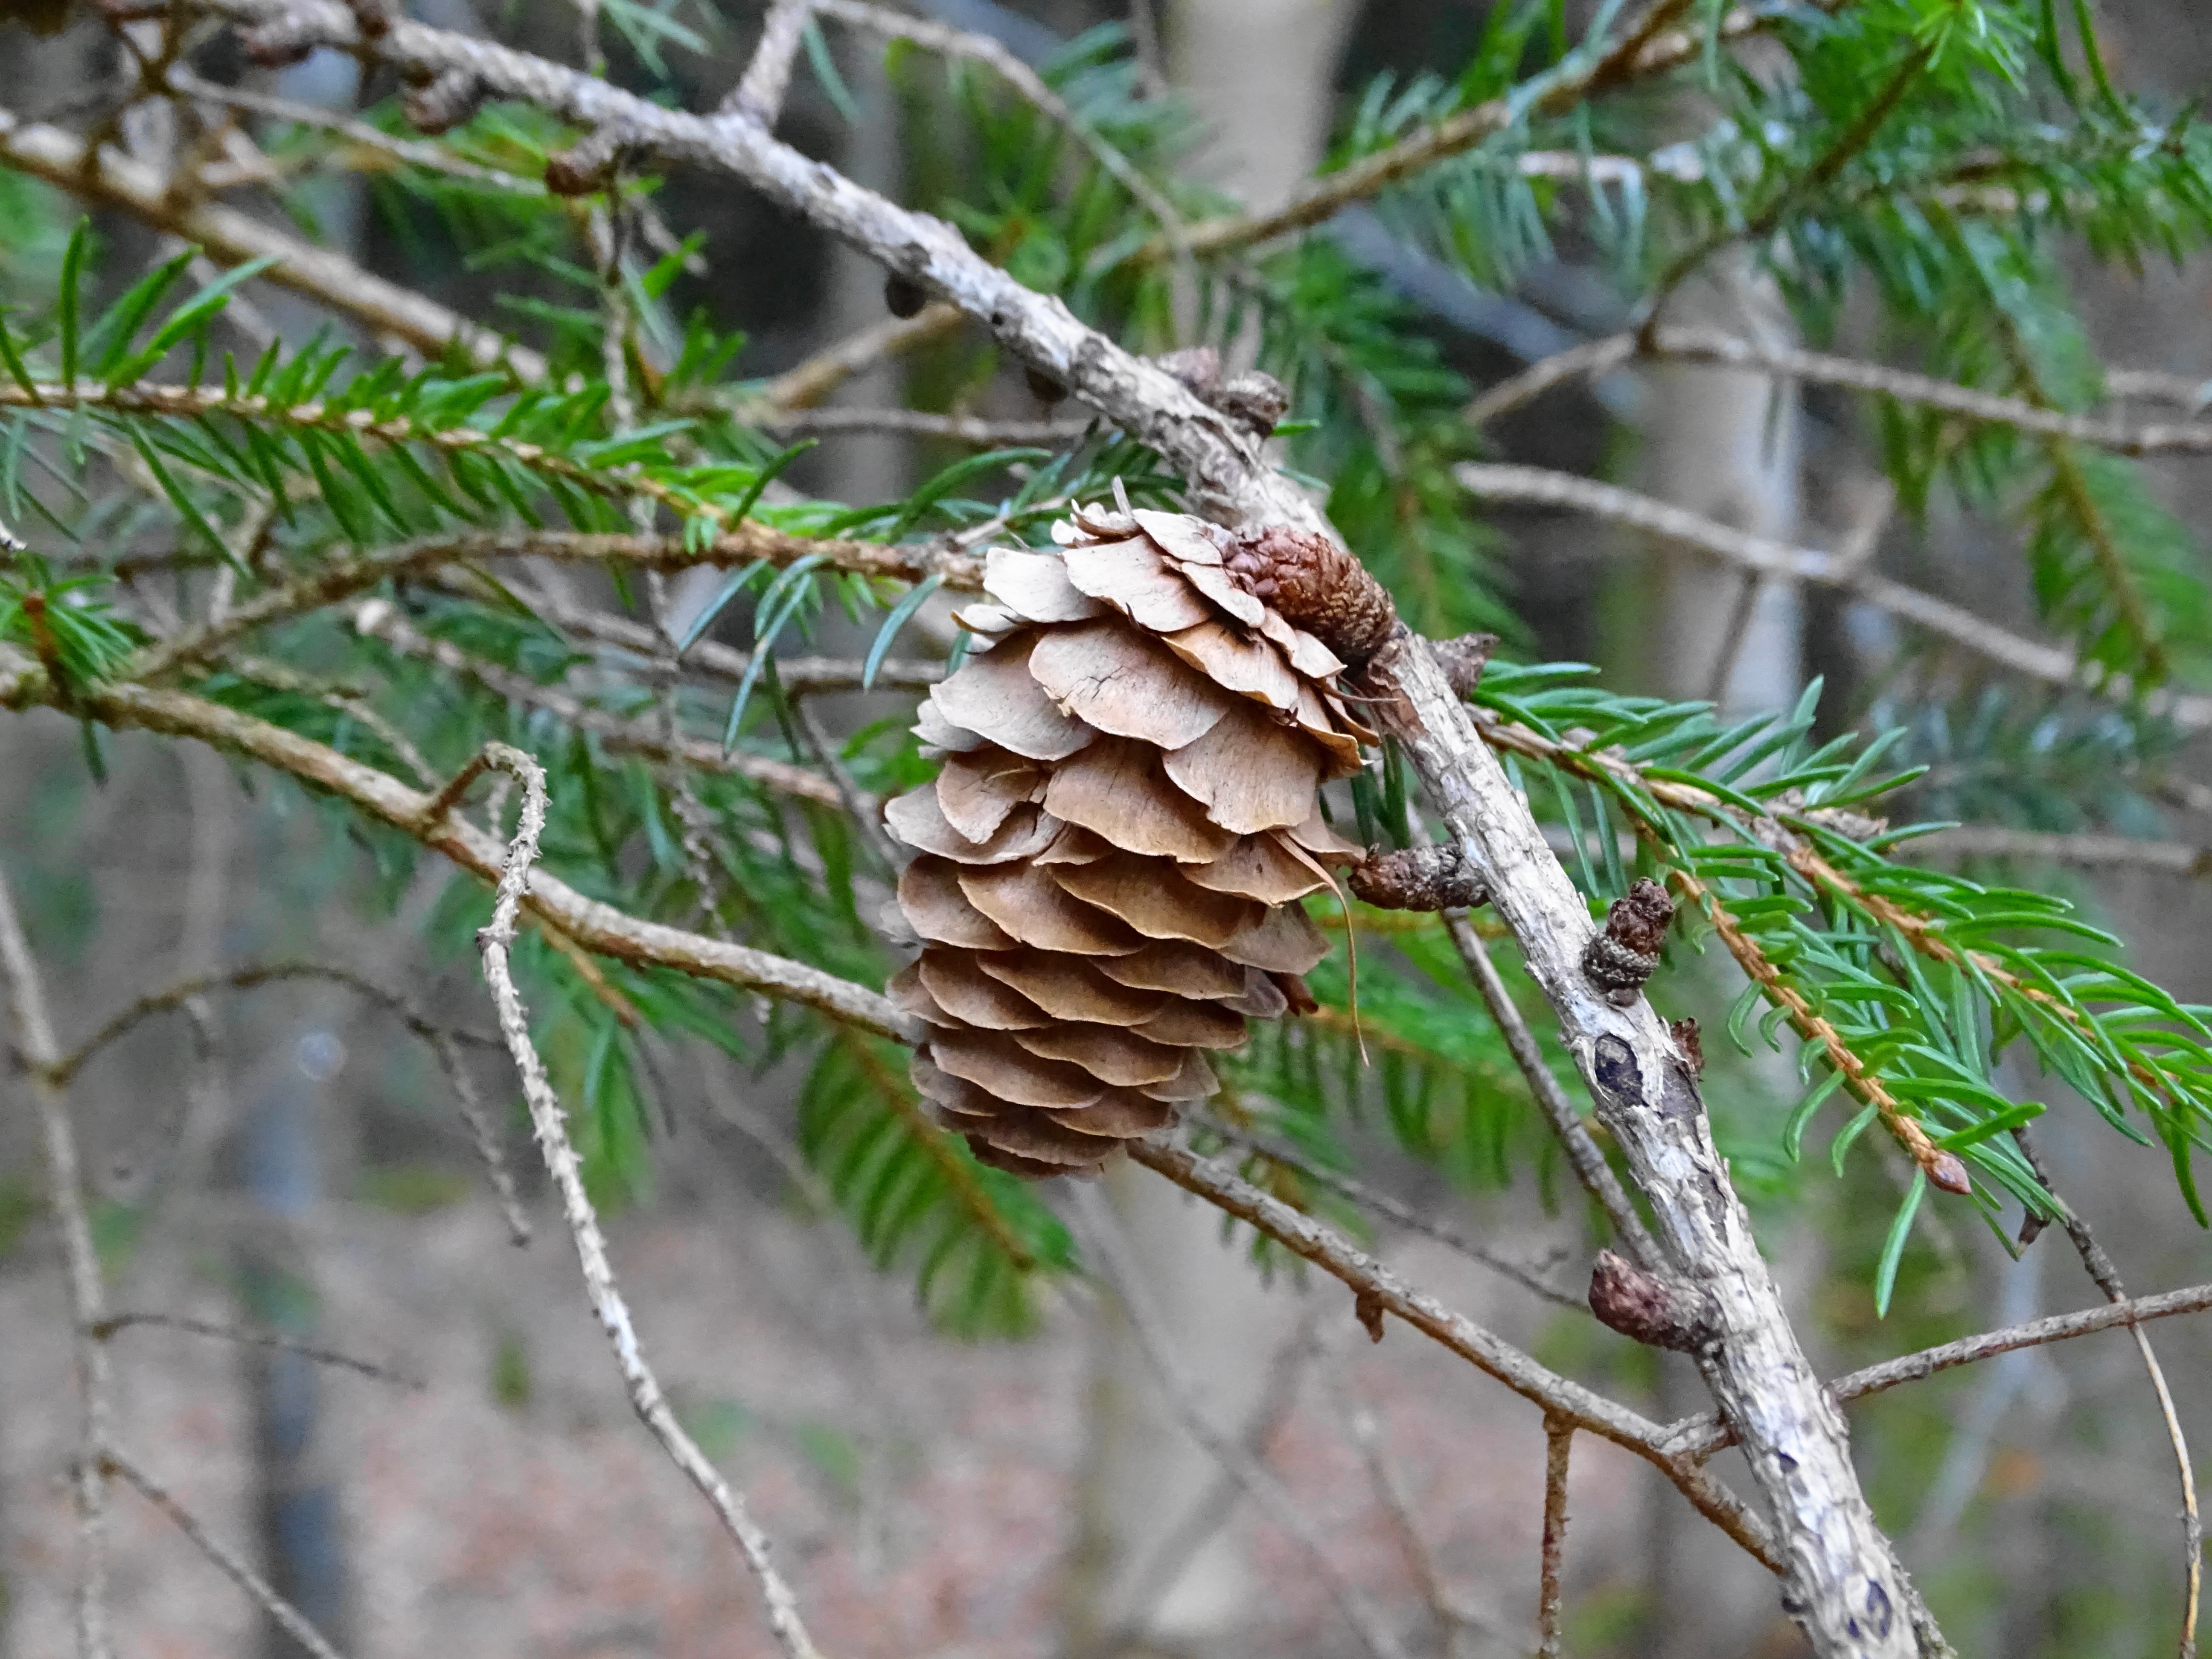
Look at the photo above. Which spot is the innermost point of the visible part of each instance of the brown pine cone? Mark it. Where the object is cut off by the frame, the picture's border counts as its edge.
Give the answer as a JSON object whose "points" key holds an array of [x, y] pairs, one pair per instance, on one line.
{"points": [[1317, 586], [1108, 868]]}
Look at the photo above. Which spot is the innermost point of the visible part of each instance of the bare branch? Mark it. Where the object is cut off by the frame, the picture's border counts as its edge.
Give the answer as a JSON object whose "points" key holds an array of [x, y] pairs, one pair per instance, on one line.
{"points": [[547, 1118], [2050, 664], [377, 619], [1558, 1443], [344, 577], [259, 1590], [251, 1338], [918, 423], [35, 1039], [758, 96], [809, 382], [1403, 1215], [232, 238], [591, 924], [1304, 1236], [981, 49], [2085, 851]]}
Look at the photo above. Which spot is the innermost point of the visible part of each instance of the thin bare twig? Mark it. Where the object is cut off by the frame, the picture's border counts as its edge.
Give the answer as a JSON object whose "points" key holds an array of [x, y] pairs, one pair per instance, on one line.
{"points": [[1101, 1234], [1382, 1204], [758, 96], [919, 423], [950, 42], [249, 1336], [1588, 1163], [35, 1039], [1558, 1443], [2049, 664], [2107, 1276], [550, 1123], [807, 384], [1304, 1236], [258, 1589], [443, 1043]]}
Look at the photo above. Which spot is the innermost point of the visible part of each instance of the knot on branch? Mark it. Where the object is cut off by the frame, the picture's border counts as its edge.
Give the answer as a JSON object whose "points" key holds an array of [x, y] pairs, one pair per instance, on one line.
{"points": [[1418, 878], [1254, 401], [1621, 958], [1647, 1308], [1691, 1040], [1315, 585], [587, 165], [437, 103], [1463, 660]]}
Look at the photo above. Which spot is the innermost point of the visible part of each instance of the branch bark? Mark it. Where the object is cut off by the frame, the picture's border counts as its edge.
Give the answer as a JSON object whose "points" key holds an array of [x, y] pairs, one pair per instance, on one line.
{"points": [[1843, 1583]]}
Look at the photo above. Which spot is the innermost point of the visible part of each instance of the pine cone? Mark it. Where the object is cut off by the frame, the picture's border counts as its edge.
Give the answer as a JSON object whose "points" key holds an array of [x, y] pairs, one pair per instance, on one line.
{"points": [[1317, 586], [1108, 865]]}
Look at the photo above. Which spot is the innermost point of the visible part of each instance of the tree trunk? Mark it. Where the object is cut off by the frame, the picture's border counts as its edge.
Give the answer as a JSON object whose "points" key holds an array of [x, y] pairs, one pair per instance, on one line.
{"points": [[1259, 73]]}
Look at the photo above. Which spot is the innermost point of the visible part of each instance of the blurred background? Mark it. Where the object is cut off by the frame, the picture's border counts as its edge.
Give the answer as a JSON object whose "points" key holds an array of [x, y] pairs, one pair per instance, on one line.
{"points": [[287, 1157]]}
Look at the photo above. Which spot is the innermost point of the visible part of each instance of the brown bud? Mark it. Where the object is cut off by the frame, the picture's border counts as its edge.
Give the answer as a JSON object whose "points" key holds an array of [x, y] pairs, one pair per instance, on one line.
{"points": [[1418, 878], [1622, 958], [1463, 660], [1690, 1041], [903, 296], [587, 165], [1043, 386], [1199, 367], [443, 103], [1949, 1171], [282, 41], [1317, 586], [1254, 401], [1642, 1306], [2031, 1228], [1368, 1309], [374, 18]]}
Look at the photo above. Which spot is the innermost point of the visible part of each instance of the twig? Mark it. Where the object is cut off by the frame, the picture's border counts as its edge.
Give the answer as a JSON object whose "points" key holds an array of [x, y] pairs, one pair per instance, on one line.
{"points": [[344, 577], [377, 619], [1691, 344], [411, 152], [1558, 1443], [1583, 1156], [1647, 49], [1701, 1436], [1304, 1236], [981, 49], [2050, 664], [758, 96], [809, 382], [34, 1038], [1101, 1234], [1447, 1610], [548, 1119], [258, 1589], [232, 238], [2100, 1269], [591, 925], [711, 660], [864, 810], [1382, 1204], [918, 423], [2086, 851], [258, 1338]]}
